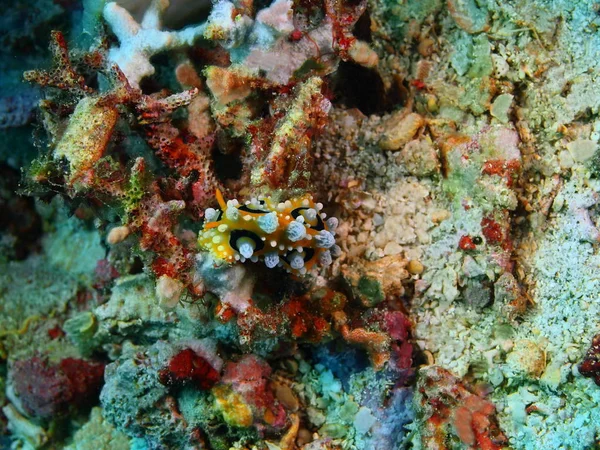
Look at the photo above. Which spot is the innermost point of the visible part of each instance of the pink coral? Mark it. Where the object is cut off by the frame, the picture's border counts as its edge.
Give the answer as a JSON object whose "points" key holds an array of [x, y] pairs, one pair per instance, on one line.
{"points": [[446, 399], [397, 325], [17, 110], [250, 378]]}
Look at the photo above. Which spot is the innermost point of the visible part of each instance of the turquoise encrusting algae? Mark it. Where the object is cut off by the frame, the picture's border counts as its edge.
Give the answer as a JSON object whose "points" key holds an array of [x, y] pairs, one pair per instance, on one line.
{"points": [[299, 225]]}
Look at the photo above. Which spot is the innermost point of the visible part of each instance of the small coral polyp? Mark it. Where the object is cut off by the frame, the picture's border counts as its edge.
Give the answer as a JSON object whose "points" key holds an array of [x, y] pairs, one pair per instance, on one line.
{"points": [[293, 234]]}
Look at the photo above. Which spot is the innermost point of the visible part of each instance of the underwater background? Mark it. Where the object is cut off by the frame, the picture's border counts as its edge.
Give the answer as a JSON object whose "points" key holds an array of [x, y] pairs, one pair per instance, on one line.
{"points": [[299, 224]]}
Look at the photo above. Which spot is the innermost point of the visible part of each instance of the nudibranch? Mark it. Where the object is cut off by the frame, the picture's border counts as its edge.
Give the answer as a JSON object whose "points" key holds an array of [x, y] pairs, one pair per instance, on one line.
{"points": [[294, 234]]}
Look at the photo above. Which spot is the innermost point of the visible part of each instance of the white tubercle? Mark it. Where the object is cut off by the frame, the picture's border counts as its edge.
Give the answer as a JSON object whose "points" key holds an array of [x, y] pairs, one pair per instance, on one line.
{"points": [[232, 213], [211, 214], [295, 231], [332, 224], [271, 260], [246, 247], [325, 258], [325, 239], [296, 261]]}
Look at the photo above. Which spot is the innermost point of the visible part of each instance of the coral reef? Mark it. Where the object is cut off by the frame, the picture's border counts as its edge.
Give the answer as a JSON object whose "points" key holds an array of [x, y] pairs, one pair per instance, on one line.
{"points": [[417, 181]]}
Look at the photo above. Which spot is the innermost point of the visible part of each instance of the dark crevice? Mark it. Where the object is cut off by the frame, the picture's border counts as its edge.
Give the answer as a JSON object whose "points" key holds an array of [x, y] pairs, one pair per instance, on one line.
{"points": [[358, 87], [137, 266], [19, 221], [163, 75], [362, 29], [228, 166]]}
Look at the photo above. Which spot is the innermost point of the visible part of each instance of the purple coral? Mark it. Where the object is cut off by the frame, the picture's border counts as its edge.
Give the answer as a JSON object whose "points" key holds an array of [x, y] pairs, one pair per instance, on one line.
{"points": [[17, 110], [47, 389], [590, 366]]}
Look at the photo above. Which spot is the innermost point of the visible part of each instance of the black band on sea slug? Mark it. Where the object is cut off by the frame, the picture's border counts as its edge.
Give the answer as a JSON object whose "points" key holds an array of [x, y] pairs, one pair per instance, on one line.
{"points": [[236, 234], [318, 227], [247, 208], [309, 254]]}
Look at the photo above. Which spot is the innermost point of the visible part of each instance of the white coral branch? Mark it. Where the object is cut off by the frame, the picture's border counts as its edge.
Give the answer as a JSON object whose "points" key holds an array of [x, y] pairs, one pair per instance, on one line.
{"points": [[140, 41]]}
